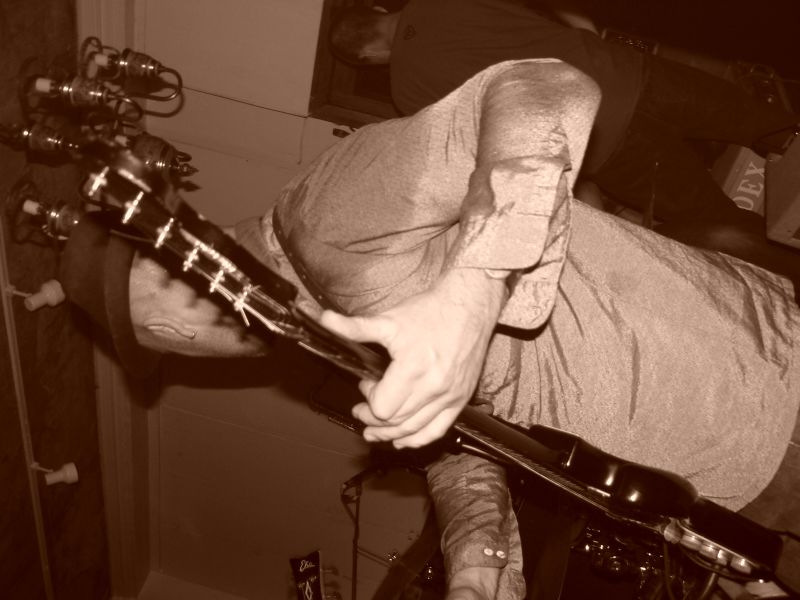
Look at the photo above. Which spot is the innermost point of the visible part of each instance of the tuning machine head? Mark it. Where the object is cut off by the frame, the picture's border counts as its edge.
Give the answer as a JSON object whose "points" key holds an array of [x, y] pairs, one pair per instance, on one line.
{"points": [[706, 549]]}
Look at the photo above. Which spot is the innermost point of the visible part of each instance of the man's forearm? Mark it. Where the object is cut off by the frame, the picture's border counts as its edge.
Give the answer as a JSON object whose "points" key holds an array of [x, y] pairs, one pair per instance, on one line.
{"points": [[541, 109], [480, 539], [472, 503], [534, 126]]}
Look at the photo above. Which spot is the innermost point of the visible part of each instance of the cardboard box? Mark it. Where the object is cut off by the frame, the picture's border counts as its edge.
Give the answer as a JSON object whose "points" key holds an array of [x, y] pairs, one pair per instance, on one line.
{"points": [[783, 196], [740, 174]]}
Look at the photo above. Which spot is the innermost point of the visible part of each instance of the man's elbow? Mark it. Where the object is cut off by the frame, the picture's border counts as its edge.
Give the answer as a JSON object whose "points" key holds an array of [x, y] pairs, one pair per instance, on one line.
{"points": [[550, 80], [574, 82]]}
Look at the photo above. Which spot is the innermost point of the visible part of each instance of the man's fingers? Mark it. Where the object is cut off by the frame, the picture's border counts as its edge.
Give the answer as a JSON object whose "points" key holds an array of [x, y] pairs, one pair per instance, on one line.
{"points": [[431, 432], [399, 393], [363, 413], [383, 412], [426, 425], [360, 329]]}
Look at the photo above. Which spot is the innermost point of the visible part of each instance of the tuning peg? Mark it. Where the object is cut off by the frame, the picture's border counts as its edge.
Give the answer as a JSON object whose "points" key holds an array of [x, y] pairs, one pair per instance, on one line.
{"points": [[131, 63], [50, 293], [86, 93], [57, 221], [68, 473]]}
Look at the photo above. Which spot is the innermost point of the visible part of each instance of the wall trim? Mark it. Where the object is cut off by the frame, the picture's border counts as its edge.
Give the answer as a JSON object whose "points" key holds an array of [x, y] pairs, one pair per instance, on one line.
{"points": [[125, 455], [121, 408], [113, 22]]}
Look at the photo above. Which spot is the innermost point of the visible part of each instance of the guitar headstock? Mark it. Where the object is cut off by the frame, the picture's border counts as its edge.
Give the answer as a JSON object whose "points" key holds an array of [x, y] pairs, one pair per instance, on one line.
{"points": [[148, 203]]}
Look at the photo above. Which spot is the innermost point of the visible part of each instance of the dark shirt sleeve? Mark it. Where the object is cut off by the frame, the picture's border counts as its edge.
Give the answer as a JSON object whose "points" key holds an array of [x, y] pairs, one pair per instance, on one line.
{"points": [[478, 526]]}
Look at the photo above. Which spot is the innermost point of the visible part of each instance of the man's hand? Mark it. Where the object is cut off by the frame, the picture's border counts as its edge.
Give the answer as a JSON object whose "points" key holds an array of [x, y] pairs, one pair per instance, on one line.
{"points": [[474, 583], [437, 341]]}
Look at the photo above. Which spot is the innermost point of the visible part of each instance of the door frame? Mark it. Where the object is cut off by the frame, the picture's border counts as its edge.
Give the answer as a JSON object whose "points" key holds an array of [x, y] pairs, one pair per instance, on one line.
{"points": [[127, 421]]}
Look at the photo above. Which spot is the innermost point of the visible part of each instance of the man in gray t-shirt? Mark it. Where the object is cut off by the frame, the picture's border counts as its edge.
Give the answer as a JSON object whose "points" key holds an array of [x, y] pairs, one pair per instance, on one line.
{"points": [[452, 239]]}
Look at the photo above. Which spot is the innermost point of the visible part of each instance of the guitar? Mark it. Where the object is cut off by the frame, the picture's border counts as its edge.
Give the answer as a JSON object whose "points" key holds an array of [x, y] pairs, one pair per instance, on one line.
{"points": [[653, 502]]}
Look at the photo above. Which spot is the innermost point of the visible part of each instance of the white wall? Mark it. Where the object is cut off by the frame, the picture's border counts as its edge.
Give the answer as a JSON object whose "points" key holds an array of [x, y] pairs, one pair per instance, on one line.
{"points": [[261, 53]]}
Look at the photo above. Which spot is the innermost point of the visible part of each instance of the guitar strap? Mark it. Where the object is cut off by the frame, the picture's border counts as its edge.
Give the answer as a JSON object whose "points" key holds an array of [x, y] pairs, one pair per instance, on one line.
{"points": [[547, 527], [411, 564], [94, 272], [299, 269]]}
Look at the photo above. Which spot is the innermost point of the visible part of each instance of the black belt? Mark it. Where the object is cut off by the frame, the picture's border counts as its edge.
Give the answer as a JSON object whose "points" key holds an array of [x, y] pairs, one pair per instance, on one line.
{"points": [[310, 285]]}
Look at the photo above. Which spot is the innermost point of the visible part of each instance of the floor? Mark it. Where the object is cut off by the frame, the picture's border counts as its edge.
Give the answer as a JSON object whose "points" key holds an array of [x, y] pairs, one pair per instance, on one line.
{"points": [[163, 587]]}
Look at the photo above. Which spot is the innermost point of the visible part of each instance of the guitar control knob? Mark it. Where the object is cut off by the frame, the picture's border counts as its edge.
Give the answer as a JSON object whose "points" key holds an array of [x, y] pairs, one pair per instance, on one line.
{"points": [[690, 541], [723, 557], [672, 532], [709, 551], [616, 565], [741, 565]]}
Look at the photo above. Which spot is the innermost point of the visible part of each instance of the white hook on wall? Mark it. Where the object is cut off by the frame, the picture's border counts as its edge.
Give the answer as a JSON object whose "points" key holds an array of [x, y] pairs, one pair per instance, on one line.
{"points": [[50, 293], [68, 473]]}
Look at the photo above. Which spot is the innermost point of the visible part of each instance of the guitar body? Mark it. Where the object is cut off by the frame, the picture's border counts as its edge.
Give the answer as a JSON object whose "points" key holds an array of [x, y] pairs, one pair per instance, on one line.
{"points": [[647, 511], [637, 506], [631, 488]]}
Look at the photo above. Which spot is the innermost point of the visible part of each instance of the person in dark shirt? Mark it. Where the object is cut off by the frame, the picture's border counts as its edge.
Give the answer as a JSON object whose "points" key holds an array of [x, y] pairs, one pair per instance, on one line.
{"points": [[639, 152]]}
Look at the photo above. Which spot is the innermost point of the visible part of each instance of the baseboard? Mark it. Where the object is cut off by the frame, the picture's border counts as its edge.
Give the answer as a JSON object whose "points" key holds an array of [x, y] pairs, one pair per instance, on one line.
{"points": [[123, 431], [164, 587]]}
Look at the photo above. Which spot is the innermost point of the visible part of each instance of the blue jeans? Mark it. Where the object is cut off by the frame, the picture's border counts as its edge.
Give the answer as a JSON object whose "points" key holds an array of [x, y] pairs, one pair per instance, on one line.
{"points": [[657, 160]]}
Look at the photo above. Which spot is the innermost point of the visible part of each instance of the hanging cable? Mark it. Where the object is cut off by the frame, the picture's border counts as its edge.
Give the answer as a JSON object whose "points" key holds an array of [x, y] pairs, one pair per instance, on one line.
{"points": [[350, 495]]}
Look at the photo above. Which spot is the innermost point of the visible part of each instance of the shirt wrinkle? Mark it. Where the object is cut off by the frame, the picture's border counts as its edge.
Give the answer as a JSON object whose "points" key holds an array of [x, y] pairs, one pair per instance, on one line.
{"points": [[636, 367]]}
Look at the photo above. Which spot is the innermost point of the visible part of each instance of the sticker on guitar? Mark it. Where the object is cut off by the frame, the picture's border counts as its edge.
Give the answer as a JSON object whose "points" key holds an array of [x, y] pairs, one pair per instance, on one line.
{"points": [[307, 575]]}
